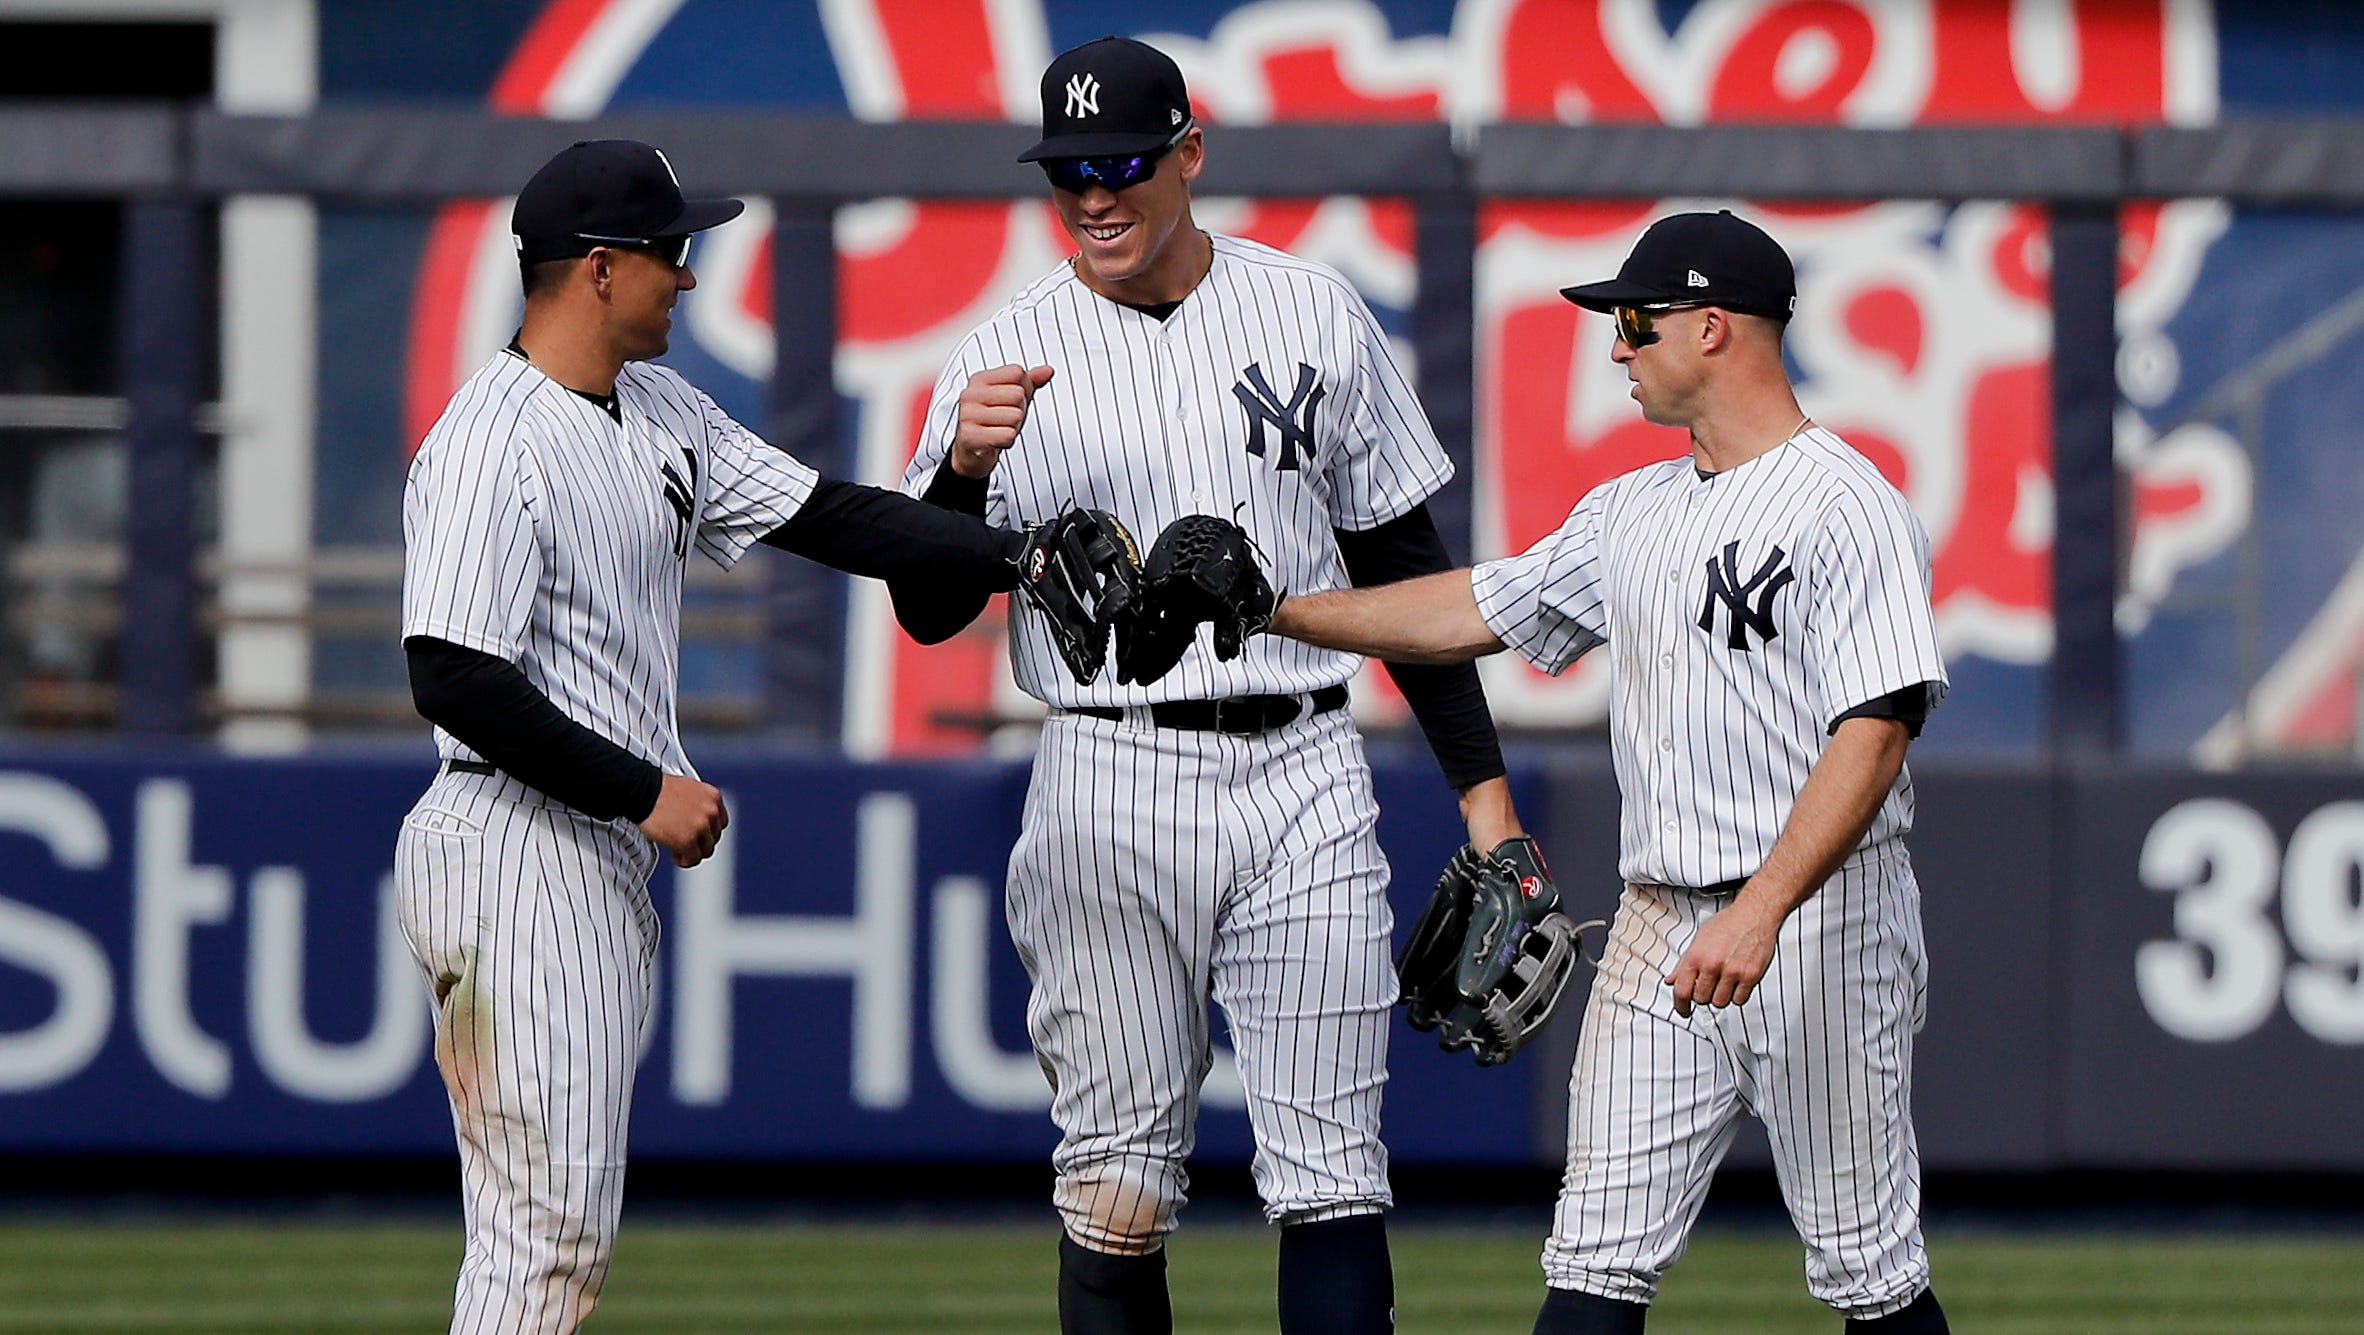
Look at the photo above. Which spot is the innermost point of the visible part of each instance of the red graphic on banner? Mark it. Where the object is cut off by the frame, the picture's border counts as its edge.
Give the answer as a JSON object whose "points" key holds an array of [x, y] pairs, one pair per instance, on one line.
{"points": [[1923, 334]]}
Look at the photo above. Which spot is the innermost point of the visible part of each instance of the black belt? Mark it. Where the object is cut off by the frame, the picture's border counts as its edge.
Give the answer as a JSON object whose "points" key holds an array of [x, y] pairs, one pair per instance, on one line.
{"points": [[470, 767], [1731, 887], [1238, 714]]}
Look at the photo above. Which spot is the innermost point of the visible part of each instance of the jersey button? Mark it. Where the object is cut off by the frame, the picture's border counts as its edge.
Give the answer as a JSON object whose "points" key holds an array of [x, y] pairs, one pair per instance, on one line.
{"points": [[1668, 661], [1673, 575], [1666, 743]]}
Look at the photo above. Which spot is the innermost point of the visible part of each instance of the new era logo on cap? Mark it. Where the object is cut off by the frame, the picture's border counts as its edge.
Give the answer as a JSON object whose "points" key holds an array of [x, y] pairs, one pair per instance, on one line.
{"points": [[1696, 279]]}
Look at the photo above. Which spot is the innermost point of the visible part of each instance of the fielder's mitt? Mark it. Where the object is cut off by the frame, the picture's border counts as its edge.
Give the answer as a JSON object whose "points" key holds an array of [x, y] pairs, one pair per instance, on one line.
{"points": [[1202, 569], [1491, 955], [1080, 569]]}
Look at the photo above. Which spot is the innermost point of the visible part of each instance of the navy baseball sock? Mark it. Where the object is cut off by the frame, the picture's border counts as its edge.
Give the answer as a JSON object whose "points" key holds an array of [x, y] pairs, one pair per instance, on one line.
{"points": [[1568, 1312], [1104, 1294], [1921, 1316], [1335, 1277]]}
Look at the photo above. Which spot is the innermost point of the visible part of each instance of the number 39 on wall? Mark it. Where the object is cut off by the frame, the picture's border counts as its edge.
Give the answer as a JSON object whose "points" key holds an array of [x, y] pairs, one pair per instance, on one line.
{"points": [[2220, 977]]}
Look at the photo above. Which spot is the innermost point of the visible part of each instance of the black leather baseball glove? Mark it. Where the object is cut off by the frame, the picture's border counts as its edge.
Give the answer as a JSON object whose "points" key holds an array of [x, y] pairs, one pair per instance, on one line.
{"points": [[1203, 569], [1081, 570], [1491, 955]]}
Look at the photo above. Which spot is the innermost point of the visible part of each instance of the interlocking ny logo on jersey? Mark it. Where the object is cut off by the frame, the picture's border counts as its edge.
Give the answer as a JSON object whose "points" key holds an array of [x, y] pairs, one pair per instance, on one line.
{"points": [[1724, 585], [677, 495], [1083, 96], [1294, 419]]}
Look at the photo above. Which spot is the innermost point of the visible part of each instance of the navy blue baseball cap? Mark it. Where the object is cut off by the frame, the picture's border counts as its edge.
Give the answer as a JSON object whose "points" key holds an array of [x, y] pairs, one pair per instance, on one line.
{"points": [[1704, 259], [1114, 97], [607, 192]]}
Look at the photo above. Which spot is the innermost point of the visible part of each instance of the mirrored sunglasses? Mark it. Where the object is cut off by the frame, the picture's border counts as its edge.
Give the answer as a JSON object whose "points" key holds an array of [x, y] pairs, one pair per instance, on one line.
{"points": [[1116, 174], [1638, 325], [673, 250]]}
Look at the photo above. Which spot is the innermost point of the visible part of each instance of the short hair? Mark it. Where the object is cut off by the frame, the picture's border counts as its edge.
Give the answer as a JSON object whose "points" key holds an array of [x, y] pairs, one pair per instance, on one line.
{"points": [[1777, 328], [541, 276]]}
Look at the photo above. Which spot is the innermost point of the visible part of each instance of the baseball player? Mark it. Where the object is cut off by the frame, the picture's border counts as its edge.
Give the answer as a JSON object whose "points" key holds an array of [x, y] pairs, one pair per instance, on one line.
{"points": [[547, 519], [1209, 836], [1765, 601]]}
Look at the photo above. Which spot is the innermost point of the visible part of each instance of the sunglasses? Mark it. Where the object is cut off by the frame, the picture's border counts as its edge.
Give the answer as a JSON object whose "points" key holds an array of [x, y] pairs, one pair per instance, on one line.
{"points": [[1638, 325], [672, 250], [1116, 174]]}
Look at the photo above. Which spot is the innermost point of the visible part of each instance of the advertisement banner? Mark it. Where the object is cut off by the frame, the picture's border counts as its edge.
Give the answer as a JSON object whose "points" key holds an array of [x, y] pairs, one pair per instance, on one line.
{"points": [[2212, 1014], [1923, 334], [199, 955]]}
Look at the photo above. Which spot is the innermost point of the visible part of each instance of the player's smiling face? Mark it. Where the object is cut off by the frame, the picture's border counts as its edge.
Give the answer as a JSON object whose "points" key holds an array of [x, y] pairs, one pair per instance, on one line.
{"points": [[642, 289], [1139, 244]]}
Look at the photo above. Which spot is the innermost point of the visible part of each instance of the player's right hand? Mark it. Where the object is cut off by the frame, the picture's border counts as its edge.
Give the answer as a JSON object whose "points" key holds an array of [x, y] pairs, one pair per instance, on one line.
{"points": [[992, 407], [688, 819]]}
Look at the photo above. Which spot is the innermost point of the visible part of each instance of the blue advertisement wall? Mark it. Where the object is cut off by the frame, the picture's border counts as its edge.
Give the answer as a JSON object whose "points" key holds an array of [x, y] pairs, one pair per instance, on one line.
{"points": [[199, 955], [2128, 969]]}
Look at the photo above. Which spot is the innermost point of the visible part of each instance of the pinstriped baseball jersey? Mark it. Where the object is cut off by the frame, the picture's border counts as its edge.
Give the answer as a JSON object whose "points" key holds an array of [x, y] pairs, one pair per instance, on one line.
{"points": [[1270, 392], [1748, 610], [1159, 868], [542, 531]]}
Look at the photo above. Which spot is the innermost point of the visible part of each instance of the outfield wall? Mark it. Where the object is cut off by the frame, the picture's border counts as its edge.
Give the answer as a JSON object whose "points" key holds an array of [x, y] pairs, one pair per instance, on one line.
{"points": [[2128, 968]]}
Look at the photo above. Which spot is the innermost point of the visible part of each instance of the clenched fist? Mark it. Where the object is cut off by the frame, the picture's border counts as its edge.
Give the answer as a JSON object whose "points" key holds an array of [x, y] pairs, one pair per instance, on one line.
{"points": [[992, 408]]}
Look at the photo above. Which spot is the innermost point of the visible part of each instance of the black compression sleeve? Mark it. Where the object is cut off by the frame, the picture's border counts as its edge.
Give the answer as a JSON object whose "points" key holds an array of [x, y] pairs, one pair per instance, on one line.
{"points": [[865, 530], [489, 705], [1446, 698], [932, 611]]}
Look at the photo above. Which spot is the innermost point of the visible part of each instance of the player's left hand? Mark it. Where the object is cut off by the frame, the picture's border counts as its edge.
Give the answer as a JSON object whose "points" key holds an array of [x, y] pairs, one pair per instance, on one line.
{"points": [[1080, 570], [1201, 569], [1728, 957]]}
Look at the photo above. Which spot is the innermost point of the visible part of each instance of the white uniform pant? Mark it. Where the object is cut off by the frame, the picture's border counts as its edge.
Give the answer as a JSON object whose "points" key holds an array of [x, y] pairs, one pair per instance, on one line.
{"points": [[1158, 868], [1822, 1053], [533, 924]]}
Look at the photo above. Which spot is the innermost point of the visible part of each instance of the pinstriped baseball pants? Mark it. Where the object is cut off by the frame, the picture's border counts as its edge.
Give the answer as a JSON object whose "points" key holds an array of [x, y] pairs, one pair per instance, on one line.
{"points": [[1822, 1053], [534, 927], [1157, 869]]}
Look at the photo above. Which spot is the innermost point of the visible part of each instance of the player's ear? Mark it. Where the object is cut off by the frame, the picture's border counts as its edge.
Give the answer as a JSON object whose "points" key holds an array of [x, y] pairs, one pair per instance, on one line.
{"points": [[1715, 329], [1191, 154]]}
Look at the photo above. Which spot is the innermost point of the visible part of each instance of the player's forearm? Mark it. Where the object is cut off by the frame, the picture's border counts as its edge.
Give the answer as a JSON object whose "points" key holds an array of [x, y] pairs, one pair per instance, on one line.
{"points": [[496, 712], [933, 611], [1433, 619], [1487, 812], [1446, 699], [1833, 811], [883, 534]]}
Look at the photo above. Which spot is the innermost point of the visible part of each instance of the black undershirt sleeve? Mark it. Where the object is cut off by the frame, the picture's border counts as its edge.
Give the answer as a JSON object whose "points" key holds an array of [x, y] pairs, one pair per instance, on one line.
{"points": [[1446, 698], [1909, 706], [865, 530], [934, 610], [489, 705]]}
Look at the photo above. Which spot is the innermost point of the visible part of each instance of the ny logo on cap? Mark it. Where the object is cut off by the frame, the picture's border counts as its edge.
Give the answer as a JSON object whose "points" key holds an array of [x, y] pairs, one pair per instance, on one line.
{"points": [[1083, 96], [1695, 280]]}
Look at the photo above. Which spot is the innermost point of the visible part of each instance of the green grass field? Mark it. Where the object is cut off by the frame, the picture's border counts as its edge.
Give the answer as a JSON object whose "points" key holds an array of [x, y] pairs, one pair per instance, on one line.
{"points": [[248, 1279]]}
